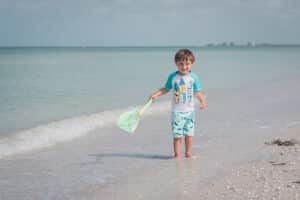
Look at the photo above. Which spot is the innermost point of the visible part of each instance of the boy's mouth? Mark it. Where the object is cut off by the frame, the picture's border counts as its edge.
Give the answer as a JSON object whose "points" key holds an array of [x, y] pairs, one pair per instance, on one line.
{"points": [[184, 71]]}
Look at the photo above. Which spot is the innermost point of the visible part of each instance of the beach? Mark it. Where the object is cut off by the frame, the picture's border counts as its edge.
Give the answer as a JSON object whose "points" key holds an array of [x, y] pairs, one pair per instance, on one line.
{"points": [[72, 71], [274, 178], [231, 155]]}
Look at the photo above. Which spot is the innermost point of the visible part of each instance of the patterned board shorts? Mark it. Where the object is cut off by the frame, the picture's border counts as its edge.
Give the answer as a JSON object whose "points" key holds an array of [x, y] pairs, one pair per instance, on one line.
{"points": [[183, 124]]}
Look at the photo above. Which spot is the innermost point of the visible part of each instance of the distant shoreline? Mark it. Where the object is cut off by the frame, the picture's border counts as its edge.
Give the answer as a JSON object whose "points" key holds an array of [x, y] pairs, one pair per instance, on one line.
{"points": [[210, 46]]}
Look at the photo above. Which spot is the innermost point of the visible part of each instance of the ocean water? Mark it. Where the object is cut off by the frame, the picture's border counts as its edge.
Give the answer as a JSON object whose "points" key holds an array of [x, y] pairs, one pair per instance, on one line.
{"points": [[50, 95]]}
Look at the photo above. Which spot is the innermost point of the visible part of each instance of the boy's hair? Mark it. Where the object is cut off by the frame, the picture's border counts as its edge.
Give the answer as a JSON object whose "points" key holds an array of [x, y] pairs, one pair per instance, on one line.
{"points": [[184, 54]]}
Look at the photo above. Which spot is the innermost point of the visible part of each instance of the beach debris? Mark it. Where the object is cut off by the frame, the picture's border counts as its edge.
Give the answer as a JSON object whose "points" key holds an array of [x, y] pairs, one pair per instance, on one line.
{"points": [[289, 185], [280, 142], [229, 187], [277, 163]]}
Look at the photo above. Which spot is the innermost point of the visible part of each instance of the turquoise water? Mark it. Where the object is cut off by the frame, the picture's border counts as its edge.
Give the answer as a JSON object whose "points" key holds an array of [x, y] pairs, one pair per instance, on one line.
{"points": [[46, 87], [39, 85]]}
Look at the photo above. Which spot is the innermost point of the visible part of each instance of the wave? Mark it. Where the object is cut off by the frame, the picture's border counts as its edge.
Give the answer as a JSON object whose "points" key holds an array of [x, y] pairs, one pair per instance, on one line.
{"points": [[65, 130]]}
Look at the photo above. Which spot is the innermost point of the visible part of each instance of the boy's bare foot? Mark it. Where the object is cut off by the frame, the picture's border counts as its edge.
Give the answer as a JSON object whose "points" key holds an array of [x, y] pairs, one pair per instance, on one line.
{"points": [[188, 155], [177, 157]]}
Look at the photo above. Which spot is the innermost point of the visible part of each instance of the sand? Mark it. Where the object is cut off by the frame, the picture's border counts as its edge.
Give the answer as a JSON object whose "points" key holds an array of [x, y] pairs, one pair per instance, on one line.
{"points": [[275, 178]]}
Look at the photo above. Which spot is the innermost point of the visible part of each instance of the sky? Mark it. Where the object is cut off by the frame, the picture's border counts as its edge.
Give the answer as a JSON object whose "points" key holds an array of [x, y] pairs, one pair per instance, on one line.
{"points": [[147, 22]]}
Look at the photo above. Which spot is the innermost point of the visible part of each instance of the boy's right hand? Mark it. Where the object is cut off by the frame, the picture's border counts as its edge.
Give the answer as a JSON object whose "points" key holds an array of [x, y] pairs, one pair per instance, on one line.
{"points": [[157, 94], [153, 96]]}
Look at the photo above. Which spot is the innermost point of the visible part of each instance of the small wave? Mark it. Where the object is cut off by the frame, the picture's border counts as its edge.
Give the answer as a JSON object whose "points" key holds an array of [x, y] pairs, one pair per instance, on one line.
{"points": [[65, 130]]}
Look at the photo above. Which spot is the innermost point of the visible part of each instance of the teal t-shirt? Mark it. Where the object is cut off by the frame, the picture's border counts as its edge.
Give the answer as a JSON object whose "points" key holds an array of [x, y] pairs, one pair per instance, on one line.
{"points": [[183, 88]]}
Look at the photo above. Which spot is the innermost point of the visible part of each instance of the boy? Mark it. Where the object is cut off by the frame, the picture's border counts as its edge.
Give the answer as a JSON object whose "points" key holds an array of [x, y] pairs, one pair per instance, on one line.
{"points": [[185, 86]]}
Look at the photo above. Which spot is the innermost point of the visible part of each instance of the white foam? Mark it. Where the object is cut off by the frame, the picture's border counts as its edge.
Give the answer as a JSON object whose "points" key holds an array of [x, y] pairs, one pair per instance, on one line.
{"points": [[64, 130]]}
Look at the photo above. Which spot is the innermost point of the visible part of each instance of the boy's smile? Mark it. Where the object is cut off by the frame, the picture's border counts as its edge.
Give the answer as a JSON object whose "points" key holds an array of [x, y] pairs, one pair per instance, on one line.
{"points": [[184, 66]]}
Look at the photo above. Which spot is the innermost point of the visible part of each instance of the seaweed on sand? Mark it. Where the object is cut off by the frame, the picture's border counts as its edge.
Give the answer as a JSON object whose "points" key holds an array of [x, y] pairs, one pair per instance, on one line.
{"points": [[280, 142]]}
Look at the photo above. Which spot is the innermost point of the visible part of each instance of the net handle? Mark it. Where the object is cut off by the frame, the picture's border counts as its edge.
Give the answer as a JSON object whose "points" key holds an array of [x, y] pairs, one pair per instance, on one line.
{"points": [[147, 105]]}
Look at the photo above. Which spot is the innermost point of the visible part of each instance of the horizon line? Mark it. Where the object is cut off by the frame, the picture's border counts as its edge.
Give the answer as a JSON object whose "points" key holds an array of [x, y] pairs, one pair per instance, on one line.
{"points": [[208, 45]]}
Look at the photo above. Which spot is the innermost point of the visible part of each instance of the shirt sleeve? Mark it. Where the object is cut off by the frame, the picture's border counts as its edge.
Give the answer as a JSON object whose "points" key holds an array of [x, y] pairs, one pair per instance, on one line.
{"points": [[168, 85], [196, 86]]}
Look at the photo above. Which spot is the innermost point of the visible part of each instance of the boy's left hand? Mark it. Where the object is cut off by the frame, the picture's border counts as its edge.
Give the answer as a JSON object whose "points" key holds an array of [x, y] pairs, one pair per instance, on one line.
{"points": [[203, 106]]}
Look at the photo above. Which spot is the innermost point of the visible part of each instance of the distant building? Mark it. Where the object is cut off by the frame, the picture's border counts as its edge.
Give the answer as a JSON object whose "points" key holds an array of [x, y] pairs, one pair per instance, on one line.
{"points": [[251, 44], [224, 44], [231, 44]]}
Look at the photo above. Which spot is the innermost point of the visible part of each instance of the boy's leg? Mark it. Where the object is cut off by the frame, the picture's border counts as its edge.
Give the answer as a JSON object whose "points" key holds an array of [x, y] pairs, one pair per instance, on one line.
{"points": [[189, 133], [188, 146], [176, 143]]}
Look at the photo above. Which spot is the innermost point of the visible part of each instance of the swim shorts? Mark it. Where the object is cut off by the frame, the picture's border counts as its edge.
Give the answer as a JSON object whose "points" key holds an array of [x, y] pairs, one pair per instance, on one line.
{"points": [[183, 124]]}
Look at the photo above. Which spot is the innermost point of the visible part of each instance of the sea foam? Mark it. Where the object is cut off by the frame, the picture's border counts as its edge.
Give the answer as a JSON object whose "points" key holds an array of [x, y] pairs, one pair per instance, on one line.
{"points": [[47, 135]]}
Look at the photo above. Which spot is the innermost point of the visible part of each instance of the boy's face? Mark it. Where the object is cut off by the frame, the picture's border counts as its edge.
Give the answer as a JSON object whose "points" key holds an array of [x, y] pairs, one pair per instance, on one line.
{"points": [[184, 66]]}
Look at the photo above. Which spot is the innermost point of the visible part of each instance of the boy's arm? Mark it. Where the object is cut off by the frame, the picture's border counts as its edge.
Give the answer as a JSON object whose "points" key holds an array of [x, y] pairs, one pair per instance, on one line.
{"points": [[201, 99], [158, 93]]}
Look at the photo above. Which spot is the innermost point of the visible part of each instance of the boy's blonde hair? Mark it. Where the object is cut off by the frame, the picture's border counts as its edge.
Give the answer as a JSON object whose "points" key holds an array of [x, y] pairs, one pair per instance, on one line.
{"points": [[184, 54]]}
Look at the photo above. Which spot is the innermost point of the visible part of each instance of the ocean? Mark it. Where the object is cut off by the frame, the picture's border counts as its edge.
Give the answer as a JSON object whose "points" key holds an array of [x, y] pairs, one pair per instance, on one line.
{"points": [[58, 111], [47, 87]]}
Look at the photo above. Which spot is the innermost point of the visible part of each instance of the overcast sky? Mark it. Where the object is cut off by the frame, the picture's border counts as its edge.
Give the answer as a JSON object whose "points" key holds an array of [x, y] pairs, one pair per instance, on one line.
{"points": [[147, 22]]}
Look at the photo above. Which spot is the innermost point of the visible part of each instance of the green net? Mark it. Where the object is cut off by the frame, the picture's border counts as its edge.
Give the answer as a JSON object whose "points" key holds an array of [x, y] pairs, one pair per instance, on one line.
{"points": [[129, 121]]}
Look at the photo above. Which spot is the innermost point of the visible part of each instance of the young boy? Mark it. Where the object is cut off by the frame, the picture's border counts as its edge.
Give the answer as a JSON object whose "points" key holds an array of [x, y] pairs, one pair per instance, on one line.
{"points": [[185, 86]]}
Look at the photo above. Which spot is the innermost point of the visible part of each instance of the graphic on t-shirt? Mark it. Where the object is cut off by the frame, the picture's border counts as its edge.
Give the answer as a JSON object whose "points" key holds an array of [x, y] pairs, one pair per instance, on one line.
{"points": [[176, 93], [190, 91], [180, 91]]}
